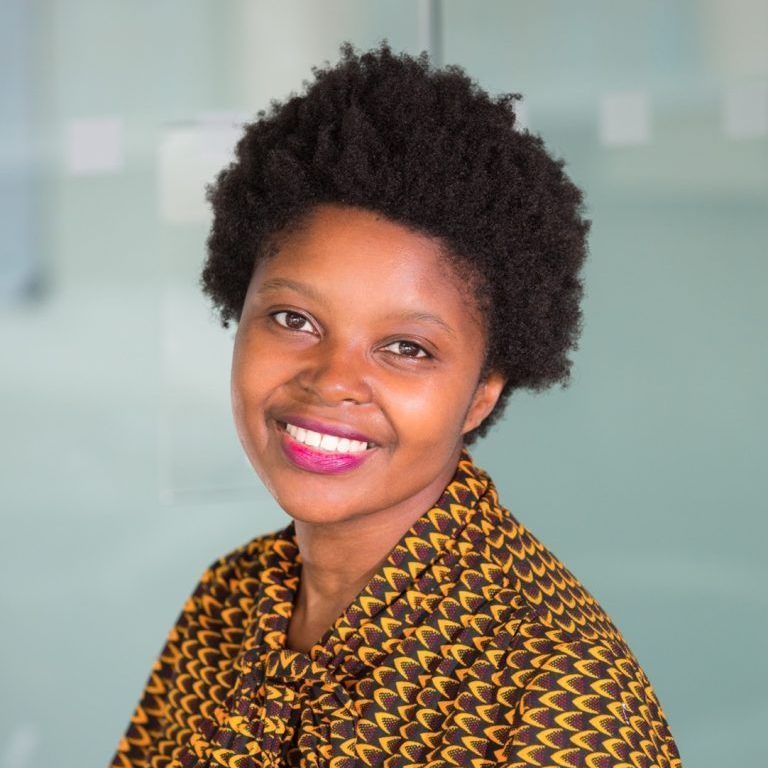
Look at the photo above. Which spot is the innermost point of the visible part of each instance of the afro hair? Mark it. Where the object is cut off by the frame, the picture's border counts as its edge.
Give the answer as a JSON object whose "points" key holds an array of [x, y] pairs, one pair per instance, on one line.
{"points": [[431, 150]]}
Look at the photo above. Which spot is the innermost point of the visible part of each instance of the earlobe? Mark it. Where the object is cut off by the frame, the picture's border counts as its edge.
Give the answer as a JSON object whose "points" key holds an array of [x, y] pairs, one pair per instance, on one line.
{"points": [[485, 398]]}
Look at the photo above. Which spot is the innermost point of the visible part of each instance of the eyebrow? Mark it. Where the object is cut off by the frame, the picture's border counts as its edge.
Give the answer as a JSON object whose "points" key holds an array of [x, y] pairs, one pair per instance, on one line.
{"points": [[276, 283]]}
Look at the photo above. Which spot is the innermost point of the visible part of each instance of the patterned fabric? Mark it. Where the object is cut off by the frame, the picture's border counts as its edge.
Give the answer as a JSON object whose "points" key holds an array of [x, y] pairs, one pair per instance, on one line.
{"points": [[472, 645]]}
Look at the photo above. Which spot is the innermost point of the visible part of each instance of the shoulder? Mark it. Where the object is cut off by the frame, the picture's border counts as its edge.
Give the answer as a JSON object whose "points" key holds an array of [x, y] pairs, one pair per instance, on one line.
{"points": [[560, 623], [234, 574], [572, 688], [583, 703], [555, 597]]}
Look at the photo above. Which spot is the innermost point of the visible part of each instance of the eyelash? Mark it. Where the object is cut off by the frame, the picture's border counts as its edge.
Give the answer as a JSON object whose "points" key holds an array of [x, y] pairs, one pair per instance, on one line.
{"points": [[425, 356]]}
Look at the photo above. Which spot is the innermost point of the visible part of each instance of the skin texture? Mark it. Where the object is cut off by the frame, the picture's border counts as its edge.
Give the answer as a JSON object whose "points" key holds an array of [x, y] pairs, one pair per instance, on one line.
{"points": [[353, 360]]}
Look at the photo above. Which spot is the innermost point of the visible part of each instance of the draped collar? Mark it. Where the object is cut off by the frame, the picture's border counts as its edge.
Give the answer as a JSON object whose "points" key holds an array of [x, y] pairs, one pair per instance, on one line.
{"points": [[295, 706]]}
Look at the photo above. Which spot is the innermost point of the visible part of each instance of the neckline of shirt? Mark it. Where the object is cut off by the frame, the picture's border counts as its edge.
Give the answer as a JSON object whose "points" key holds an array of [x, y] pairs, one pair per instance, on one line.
{"points": [[437, 543]]}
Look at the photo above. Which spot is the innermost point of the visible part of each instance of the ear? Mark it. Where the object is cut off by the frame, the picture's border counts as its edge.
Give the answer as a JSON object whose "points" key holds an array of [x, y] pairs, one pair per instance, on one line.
{"points": [[486, 395]]}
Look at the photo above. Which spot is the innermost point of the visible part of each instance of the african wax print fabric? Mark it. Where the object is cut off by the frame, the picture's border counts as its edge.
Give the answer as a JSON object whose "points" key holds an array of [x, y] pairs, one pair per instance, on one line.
{"points": [[472, 645]]}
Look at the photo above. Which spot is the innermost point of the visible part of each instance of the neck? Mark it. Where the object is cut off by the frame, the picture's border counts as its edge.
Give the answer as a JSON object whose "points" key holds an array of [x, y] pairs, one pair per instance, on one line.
{"points": [[338, 560]]}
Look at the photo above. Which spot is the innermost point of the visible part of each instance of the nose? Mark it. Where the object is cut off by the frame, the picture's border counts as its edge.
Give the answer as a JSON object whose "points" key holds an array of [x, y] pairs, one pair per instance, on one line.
{"points": [[335, 373]]}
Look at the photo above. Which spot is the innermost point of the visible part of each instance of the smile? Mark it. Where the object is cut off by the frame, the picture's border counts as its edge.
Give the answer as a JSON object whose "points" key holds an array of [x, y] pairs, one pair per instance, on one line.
{"points": [[322, 453], [330, 443]]}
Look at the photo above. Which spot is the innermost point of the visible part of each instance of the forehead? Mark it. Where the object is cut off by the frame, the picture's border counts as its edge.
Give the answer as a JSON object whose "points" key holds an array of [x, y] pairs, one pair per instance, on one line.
{"points": [[361, 256]]}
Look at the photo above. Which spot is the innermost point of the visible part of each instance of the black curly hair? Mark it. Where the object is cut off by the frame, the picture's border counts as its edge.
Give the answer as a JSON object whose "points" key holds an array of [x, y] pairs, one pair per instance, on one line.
{"points": [[431, 150]]}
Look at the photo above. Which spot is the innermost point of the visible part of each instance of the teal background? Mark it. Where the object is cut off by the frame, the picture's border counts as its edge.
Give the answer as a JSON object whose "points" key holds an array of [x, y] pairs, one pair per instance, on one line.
{"points": [[121, 478]]}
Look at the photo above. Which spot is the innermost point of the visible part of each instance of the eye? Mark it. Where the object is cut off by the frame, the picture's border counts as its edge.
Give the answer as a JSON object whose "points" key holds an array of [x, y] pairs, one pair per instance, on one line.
{"points": [[409, 347], [293, 321]]}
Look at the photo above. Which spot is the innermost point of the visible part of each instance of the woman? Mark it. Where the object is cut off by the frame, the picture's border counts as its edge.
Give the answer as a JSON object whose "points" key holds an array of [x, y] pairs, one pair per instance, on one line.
{"points": [[399, 259]]}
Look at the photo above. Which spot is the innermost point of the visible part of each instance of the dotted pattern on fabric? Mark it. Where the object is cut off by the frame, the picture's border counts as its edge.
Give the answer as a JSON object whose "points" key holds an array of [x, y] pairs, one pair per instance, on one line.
{"points": [[472, 645]]}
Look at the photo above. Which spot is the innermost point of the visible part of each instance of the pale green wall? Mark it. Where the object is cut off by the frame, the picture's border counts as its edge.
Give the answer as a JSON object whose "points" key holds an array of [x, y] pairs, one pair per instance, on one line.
{"points": [[645, 476]]}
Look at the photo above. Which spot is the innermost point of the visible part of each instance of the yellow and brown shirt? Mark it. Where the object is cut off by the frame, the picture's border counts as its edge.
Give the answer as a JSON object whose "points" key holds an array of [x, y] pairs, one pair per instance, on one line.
{"points": [[472, 645]]}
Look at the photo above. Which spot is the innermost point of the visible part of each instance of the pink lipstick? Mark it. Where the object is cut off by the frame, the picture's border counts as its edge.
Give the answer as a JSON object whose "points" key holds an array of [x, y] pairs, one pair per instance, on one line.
{"points": [[318, 460]]}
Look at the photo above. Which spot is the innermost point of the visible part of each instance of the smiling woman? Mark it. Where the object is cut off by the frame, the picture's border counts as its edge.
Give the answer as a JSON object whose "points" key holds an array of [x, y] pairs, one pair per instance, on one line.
{"points": [[399, 258], [355, 328]]}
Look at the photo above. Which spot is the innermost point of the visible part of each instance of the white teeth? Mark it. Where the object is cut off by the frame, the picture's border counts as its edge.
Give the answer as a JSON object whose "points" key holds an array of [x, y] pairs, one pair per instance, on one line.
{"points": [[325, 442], [329, 442], [313, 438]]}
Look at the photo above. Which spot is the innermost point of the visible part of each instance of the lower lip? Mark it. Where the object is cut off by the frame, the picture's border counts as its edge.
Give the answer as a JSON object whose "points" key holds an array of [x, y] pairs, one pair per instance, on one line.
{"points": [[323, 462]]}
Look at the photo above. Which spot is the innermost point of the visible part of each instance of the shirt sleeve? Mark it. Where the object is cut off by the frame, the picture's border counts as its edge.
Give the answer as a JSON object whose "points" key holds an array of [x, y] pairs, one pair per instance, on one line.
{"points": [[590, 705], [152, 730]]}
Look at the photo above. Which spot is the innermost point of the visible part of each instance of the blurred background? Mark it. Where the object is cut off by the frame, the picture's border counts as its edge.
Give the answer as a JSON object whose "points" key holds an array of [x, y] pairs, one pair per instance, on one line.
{"points": [[121, 477]]}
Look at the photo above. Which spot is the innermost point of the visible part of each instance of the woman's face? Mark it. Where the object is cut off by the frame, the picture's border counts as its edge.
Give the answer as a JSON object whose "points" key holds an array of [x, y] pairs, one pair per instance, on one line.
{"points": [[357, 326]]}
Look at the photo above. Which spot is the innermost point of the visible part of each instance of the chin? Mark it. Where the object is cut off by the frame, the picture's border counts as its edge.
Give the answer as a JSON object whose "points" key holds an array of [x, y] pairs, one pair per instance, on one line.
{"points": [[317, 502], [314, 514]]}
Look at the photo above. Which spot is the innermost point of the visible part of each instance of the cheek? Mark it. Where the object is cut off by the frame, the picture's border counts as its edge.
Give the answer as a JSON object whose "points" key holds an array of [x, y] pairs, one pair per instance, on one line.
{"points": [[429, 412], [258, 372], [256, 365], [254, 374], [242, 379]]}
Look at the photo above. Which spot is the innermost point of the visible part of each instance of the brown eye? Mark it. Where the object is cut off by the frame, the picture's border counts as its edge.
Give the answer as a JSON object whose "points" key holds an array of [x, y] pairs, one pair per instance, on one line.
{"points": [[294, 321], [409, 349]]}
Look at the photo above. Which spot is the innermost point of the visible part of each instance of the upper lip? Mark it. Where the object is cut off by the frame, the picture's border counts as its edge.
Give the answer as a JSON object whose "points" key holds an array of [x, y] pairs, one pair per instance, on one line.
{"points": [[340, 430]]}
